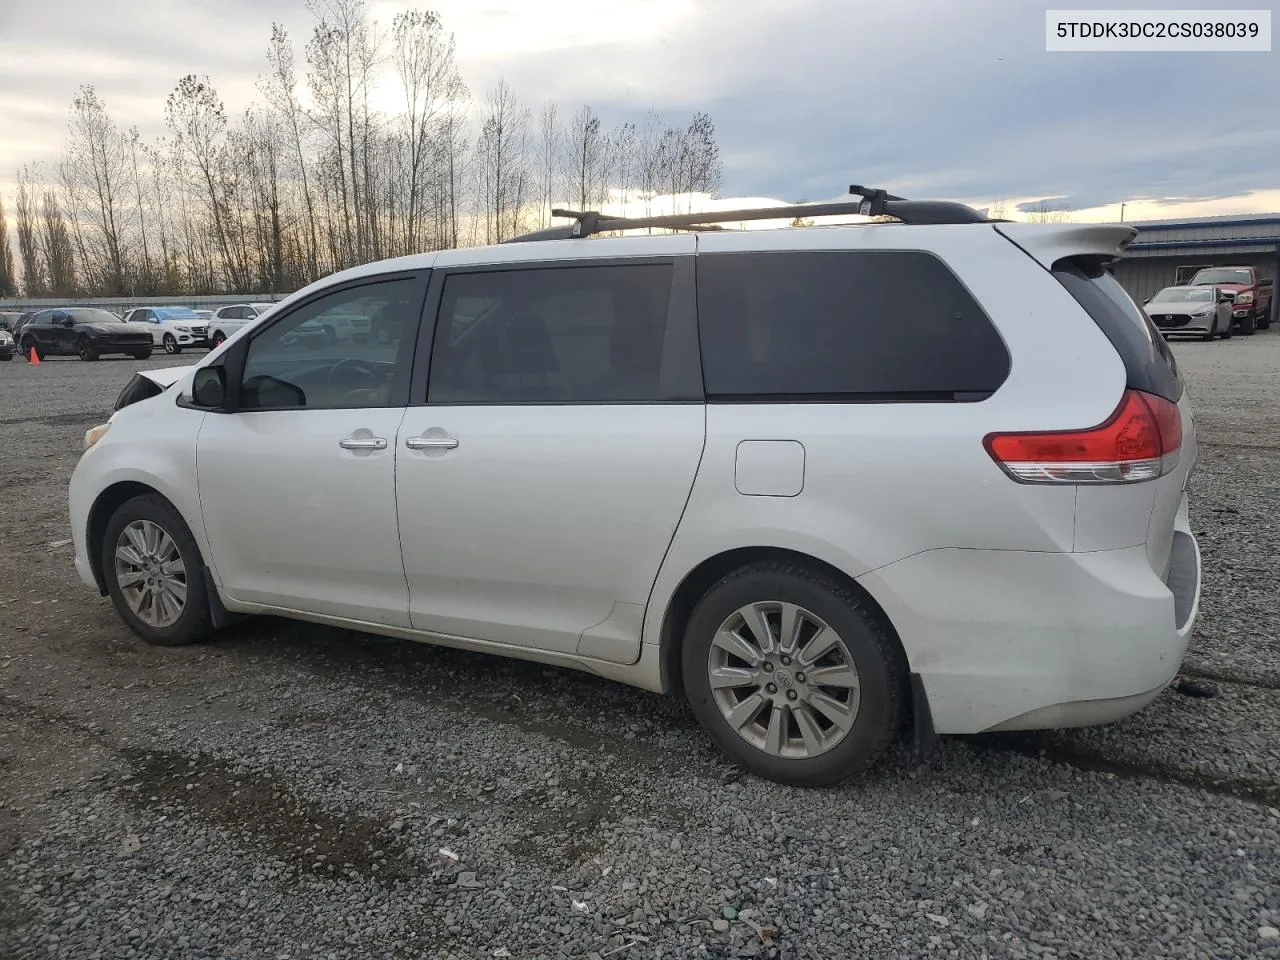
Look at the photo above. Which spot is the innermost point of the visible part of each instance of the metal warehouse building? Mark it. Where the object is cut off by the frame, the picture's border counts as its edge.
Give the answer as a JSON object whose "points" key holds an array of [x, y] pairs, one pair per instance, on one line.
{"points": [[1167, 252]]}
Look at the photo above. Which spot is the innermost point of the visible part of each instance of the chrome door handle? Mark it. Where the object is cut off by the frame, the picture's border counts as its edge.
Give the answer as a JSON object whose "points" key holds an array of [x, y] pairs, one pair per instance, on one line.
{"points": [[363, 443], [431, 443]]}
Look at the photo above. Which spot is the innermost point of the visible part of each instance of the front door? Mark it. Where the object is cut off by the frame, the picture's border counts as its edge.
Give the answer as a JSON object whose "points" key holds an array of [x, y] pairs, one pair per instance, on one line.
{"points": [[298, 487], [541, 481]]}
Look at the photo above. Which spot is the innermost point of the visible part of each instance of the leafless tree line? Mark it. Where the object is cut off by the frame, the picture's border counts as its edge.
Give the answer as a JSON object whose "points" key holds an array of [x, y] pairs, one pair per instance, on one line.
{"points": [[314, 178]]}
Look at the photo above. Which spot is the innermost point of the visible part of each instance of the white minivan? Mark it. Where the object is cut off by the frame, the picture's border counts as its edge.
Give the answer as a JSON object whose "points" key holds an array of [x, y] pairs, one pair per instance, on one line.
{"points": [[825, 482]]}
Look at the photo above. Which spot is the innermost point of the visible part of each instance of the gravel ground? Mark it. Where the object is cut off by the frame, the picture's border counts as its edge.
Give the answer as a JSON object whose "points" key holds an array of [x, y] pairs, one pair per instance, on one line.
{"points": [[294, 791]]}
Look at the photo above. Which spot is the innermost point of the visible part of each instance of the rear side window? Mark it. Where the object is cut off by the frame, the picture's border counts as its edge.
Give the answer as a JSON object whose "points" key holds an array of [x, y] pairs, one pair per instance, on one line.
{"points": [[579, 334], [1148, 362], [865, 326]]}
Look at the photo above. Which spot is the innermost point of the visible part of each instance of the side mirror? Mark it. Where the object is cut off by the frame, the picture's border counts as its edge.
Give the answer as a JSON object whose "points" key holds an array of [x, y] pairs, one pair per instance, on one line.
{"points": [[67, 322], [1146, 301], [209, 387]]}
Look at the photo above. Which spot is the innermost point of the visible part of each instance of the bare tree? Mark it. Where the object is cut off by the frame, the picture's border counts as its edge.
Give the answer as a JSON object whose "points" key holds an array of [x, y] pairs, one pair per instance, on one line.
{"points": [[33, 276], [424, 61], [997, 209], [198, 119], [623, 162], [281, 92], [8, 274], [1045, 211], [55, 247], [703, 153], [586, 160], [95, 176], [649, 159], [502, 160], [550, 147]]}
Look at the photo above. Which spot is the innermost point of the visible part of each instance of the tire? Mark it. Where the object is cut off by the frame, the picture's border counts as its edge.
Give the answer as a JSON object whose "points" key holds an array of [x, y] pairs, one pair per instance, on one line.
{"points": [[1208, 337], [6, 358], [194, 622], [876, 705], [86, 349], [170, 344], [1264, 320], [218, 338], [28, 345], [1247, 326], [141, 354], [1230, 329]]}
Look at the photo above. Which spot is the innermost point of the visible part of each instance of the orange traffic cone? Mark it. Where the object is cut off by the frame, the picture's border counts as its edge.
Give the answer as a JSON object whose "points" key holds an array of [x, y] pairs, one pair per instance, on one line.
{"points": [[33, 357]]}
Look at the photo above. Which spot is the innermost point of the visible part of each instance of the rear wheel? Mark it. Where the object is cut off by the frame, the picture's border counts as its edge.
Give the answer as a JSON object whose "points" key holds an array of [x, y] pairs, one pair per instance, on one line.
{"points": [[154, 573], [87, 349], [792, 675]]}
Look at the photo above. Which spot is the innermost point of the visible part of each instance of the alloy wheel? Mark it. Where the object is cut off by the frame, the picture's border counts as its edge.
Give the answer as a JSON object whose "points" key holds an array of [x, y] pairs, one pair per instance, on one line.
{"points": [[151, 573], [783, 680]]}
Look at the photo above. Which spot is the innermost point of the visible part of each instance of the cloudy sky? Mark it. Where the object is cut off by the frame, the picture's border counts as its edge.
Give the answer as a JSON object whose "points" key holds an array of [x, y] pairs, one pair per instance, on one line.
{"points": [[938, 98]]}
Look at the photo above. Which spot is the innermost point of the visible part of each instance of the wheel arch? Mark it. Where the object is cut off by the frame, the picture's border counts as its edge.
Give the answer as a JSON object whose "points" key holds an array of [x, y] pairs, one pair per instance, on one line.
{"points": [[104, 506], [702, 577]]}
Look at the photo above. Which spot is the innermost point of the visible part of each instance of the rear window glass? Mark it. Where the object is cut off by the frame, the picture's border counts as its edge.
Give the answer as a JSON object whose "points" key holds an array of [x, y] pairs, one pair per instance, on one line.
{"points": [[1149, 363], [872, 326]]}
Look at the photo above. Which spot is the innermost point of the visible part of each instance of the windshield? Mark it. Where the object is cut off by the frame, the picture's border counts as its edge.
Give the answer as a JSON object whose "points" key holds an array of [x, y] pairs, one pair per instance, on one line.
{"points": [[176, 313], [1224, 275], [1184, 295], [90, 315]]}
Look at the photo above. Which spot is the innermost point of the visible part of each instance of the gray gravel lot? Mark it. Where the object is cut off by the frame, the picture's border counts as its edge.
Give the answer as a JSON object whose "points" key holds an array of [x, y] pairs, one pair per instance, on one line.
{"points": [[294, 791]]}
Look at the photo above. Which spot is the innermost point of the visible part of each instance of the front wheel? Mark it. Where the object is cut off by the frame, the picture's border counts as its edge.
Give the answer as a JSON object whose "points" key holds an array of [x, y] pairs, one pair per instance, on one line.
{"points": [[1264, 320], [170, 344], [1247, 325], [793, 675], [154, 573], [30, 347], [218, 338], [87, 349]]}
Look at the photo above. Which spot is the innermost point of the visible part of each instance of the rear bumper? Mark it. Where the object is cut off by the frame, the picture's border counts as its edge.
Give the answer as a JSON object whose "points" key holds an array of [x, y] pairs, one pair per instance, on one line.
{"points": [[1011, 640]]}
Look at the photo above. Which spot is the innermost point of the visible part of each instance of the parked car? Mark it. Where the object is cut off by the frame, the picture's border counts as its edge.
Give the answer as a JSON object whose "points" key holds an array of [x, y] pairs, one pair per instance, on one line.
{"points": [[18, 324], [84, 331], [7, 345], [8, 319], [1203, 311], [227, 320], [1253, 294], [735, 481], [174, 328]]}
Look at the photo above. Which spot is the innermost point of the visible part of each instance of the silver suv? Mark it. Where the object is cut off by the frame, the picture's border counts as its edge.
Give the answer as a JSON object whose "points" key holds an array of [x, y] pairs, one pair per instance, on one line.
{"points": [[825, 482]]}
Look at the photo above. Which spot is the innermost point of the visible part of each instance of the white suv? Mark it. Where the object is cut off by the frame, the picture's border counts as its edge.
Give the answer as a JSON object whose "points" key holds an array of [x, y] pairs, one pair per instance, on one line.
{"points": [[227, 320], [826, 482]]}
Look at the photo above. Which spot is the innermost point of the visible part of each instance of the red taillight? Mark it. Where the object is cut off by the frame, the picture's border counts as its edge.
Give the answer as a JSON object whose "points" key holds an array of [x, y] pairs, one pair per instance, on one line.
{"points": [[1140, 441]]}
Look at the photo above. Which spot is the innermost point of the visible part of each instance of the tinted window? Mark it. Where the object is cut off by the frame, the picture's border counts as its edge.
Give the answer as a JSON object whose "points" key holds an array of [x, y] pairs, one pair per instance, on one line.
{"points": [[590, 334], [338, 351], [1148, 361], [859, 325], [90, 315]]}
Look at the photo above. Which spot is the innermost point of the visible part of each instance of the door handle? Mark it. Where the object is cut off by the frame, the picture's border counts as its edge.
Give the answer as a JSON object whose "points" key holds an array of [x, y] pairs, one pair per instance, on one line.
{"points": [[363, 443], [431, 443]]}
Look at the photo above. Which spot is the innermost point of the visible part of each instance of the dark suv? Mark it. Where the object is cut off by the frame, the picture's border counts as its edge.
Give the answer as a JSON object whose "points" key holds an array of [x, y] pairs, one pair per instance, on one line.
{"points": [[86, 332]]}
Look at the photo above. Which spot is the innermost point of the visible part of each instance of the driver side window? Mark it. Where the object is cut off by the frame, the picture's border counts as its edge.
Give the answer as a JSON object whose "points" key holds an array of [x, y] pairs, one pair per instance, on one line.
{"points": [[339, 351]]}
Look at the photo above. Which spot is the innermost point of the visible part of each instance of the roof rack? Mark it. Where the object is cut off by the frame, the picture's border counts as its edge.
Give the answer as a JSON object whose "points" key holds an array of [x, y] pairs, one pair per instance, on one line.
{"points": [[872, 202]]}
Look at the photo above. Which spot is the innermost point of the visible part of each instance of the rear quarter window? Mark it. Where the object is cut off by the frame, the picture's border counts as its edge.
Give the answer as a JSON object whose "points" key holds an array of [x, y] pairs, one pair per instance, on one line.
{"points": [[1148, 362], [856, 326]]}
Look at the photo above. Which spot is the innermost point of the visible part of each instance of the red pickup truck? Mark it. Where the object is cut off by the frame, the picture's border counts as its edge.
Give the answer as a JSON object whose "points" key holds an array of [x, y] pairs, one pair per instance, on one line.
{"points": [[1252, 307]]}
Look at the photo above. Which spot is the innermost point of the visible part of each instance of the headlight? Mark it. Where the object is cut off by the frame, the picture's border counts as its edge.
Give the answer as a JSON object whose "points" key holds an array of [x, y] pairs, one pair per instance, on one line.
{"points": [[1244, 298], [95, 434], [183, 329]]}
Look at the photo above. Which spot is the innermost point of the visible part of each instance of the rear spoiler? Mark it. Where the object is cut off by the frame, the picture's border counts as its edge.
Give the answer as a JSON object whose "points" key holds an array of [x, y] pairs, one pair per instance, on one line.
{"points": [[1049, 243]]}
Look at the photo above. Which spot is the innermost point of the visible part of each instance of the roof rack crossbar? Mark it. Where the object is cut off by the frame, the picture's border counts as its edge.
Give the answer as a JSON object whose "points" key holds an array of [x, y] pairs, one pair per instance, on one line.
{"points": [[872, 202]]}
